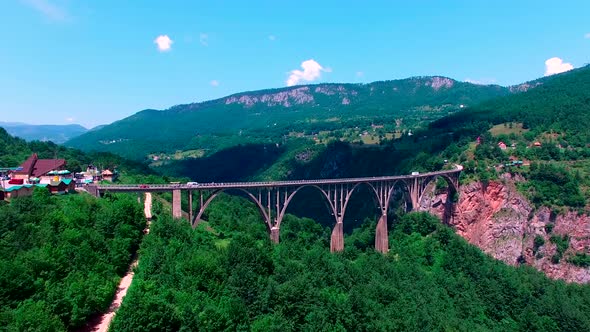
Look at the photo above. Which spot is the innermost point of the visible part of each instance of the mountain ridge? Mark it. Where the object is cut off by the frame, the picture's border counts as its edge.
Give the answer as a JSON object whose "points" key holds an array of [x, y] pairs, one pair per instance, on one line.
{"points": [[287, 106], [55, 133]]}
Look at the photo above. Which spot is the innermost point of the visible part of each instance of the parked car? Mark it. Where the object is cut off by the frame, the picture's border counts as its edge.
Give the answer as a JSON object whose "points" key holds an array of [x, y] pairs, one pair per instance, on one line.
{"points": [[415, 173], [143, 186]]}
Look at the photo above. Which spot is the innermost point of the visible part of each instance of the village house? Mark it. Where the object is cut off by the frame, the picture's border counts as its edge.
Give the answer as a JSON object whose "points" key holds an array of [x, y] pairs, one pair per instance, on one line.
{"points": [[502, 145], [19, 191], [108, 175], [34, 168], [34, 172]]}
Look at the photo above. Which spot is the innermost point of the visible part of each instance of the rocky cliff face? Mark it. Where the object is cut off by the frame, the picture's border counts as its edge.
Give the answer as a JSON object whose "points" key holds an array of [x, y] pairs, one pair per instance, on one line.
{"points": [[500, 221]]}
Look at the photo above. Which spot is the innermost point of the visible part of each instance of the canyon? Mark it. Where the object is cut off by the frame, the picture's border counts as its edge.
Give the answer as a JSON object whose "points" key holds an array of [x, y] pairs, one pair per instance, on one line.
{"points": [[499, 220]]}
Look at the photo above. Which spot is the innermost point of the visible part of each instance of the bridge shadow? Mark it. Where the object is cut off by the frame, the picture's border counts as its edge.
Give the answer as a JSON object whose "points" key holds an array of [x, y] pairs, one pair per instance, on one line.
{"points": [[341, 160], [237, 163]]}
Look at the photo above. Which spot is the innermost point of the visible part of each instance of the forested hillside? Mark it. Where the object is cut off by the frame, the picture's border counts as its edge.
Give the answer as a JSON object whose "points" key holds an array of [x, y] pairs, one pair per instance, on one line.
{"points": [[228, 276], [546, 127], [560, 105], [250, 116], [61, 257]]}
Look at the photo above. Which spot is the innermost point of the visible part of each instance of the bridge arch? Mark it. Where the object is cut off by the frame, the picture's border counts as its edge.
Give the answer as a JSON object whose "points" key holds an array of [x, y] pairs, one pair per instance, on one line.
{"points": [[452, 183], [215, 193], [452, 188], [283, 209]]}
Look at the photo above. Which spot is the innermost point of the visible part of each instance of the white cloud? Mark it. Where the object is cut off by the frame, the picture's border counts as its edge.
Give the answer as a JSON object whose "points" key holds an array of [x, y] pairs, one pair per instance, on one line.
{"points": [[556, 65], [311, 71], [481, 81], [359, 74], [70, 119], [47, 8], [214, 83], [587, 36], [272, 38], [164, 43], [204, 39]]}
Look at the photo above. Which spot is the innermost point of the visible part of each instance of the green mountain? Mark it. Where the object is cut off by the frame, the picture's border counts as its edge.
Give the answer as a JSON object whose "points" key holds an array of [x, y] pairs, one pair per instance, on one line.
{"points": [[561, 105], [276, 112], [55, 133]]}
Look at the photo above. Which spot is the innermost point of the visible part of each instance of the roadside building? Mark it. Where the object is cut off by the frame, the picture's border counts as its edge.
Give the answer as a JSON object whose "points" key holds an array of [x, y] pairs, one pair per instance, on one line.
{"points": [[34, 167], [502, 145], [61, 187], [108, 175], [20, 190]]}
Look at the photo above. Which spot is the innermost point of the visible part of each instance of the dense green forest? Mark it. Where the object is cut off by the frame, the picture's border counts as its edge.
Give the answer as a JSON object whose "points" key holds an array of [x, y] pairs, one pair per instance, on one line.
{"points": [[61, 257], [226, 275]]}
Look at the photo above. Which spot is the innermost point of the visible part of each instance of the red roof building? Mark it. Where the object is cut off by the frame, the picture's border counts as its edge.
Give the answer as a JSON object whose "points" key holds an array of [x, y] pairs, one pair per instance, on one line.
{"points": [[35, 167]]}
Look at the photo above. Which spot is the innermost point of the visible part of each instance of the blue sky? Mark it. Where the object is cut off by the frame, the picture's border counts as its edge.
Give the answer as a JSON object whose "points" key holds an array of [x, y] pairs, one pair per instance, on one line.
{"points": [[94, 62]]}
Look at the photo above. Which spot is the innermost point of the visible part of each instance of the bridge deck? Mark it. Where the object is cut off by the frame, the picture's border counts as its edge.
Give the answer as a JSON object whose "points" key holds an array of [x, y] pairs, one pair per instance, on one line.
{"points": [[267, 184]]}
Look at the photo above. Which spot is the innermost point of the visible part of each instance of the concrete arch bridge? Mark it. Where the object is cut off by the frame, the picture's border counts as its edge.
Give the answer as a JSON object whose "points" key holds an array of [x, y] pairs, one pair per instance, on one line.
{"points": [[273, 197]]}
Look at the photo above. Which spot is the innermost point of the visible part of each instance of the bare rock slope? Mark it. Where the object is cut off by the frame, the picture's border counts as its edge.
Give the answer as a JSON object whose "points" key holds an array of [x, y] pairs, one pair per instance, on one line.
{"points": [[499, 220]]}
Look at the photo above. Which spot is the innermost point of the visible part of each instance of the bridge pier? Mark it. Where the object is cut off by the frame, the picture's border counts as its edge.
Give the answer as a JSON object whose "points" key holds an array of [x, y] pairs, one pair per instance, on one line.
{"points": [[274, 234], [381, 235], [190, 206], [415, 192], [176, 208], [337, 239]]}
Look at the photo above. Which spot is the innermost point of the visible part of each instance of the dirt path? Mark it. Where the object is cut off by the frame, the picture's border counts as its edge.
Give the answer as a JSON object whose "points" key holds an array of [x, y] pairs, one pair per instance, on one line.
{"points": [[101, 323]]}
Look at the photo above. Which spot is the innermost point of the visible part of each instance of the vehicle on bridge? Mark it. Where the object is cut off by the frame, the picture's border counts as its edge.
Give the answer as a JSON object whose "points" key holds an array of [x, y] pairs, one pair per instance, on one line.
{"points": [[192, 183], [143, 186]]}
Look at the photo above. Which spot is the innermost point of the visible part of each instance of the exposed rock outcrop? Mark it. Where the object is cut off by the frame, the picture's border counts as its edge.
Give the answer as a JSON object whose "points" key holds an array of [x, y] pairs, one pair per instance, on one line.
{"points": [[286, 98], [500, 221]]}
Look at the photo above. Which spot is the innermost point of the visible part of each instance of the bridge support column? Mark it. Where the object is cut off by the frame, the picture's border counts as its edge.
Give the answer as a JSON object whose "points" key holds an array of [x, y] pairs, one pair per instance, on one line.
{"points": [[274, 234], [414, 191], [176, 208], [190, 206], [337, 240], [381, 235]]}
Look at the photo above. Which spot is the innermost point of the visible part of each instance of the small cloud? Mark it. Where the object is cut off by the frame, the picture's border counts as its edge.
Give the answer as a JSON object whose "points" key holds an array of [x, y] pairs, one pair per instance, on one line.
{"points": [[311, 71], [214, 83], [164, 43], [556, 65], [481, 81], [204, 39], [587, 36], [359, 74], [47, 8], [70, 119], [272, 38]]}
